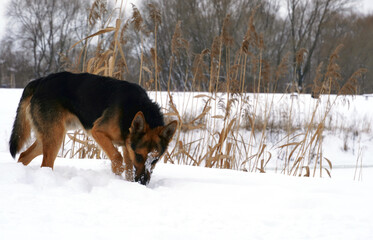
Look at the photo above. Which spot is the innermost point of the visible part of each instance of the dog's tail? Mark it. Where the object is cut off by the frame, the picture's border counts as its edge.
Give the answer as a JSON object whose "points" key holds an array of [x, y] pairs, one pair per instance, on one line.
{"points": [[22, 126]]}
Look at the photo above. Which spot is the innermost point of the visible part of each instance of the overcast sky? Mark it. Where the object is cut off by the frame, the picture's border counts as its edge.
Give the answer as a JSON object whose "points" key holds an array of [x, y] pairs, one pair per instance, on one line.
{"points": [[365, 6], [2, 13]]}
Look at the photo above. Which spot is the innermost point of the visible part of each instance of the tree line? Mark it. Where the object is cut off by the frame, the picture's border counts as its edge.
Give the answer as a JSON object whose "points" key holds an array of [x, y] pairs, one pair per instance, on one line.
{"points": [[187, 44]]}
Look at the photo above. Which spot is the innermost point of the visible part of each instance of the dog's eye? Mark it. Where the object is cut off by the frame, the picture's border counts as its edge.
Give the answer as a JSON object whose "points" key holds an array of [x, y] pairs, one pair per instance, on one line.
{"points": [[139, 158]]}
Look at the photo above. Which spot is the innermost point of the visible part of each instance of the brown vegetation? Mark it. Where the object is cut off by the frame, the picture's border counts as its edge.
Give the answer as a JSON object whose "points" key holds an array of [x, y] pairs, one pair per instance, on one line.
{"points": [[216, 140], [211, 51]]}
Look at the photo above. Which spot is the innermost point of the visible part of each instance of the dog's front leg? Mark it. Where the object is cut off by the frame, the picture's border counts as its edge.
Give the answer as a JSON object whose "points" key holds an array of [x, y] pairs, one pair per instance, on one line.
{"points": [[107, 145], [128, 166]]}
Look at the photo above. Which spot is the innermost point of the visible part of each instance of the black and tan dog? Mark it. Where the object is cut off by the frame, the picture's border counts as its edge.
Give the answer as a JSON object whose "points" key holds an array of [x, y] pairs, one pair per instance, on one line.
{"points": [[113, 112]]}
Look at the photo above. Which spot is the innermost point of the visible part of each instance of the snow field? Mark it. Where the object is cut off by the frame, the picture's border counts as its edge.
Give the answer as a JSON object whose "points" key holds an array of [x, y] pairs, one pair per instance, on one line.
{"points": [[82, 199]]}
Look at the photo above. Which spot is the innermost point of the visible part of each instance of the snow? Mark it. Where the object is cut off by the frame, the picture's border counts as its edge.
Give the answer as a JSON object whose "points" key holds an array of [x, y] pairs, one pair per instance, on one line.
{"points": [[82, 199]]}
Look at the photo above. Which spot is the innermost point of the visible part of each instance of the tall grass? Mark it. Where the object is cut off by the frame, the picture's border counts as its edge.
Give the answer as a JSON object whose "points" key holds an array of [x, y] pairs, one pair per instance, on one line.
{"points": [[227, 127]]}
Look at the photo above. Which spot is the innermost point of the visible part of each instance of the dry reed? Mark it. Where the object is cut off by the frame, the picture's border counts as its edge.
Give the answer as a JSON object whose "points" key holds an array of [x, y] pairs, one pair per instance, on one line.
{"points": [[212, 135]]}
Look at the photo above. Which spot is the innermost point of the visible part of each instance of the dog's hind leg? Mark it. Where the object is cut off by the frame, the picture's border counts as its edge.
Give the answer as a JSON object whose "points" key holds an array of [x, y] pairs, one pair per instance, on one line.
{"points": [[33, 151], [51, 144]]}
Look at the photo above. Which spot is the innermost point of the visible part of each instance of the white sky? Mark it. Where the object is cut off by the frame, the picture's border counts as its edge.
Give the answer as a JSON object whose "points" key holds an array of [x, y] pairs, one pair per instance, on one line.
{"points": [[365, 6]]}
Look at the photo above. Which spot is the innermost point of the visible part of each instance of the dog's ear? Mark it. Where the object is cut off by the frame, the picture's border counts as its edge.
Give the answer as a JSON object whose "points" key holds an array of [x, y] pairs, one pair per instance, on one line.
{"points": [[138, 123], [169, 130]]}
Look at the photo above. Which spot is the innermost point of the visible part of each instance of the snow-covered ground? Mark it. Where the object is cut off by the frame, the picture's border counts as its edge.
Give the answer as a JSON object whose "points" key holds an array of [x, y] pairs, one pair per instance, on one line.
{"points": [[82, 199]]}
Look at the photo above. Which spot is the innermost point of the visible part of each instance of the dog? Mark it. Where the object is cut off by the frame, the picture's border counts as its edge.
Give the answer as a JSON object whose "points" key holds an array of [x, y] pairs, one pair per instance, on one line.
{"points": [[113, 112]]}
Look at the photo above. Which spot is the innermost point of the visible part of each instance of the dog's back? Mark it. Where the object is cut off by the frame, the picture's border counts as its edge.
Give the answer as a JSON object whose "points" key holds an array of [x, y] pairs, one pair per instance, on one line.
{"points": [[87, 96]]}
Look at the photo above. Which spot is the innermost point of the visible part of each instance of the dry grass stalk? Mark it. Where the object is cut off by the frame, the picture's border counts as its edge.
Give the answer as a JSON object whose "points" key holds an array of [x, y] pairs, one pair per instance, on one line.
{"points": [[358, 175], [299, 57], [351, 86], [155, 16], [82, 146], [212, 136], [98, 9], [317, 82], [225, 36], [178, 42], [215, 62], [137, 19], [310, 147]]}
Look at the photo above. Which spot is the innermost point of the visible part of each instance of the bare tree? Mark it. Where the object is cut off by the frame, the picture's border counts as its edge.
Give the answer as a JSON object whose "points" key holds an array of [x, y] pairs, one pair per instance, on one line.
{"points": [[44, 30], [357, 50], [15, 70], [307, 19], [298, 42], [200, 23]]}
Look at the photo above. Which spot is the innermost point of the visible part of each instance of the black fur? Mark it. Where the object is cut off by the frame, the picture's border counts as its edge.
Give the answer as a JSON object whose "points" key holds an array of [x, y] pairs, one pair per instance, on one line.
{"points": [[87, 96]]}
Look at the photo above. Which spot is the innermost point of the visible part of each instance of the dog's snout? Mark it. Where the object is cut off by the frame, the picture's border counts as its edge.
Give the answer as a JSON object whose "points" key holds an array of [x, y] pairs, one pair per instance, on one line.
{"points": [[143, 178]]}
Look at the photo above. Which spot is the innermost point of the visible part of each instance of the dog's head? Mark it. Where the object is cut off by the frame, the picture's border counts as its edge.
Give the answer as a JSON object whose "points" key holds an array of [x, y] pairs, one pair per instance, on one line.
{"points": [[146, 146]]}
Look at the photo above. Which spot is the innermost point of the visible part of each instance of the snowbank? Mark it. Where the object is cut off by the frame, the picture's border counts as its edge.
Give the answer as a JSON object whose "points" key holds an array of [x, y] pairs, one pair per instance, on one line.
{"points": [[82, 199]]}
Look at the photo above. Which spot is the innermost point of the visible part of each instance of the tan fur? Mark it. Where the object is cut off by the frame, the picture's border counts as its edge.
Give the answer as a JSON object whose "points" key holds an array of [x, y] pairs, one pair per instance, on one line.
{"points": [[106, 134], [47, 145], [25, 122], [129, 157], [33, 151]]}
